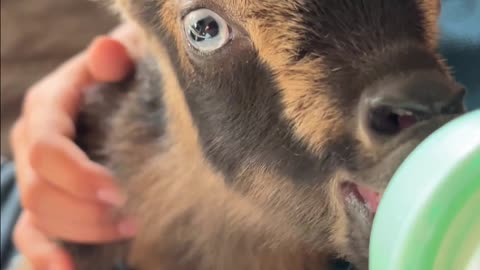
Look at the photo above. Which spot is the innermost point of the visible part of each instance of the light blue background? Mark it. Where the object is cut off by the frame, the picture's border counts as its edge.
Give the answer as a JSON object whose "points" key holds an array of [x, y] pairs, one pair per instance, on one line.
{"points": [[460, 44]]}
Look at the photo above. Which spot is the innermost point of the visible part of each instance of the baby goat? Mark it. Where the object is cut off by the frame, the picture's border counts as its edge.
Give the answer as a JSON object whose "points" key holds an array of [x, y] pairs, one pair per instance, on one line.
{"points": [[260, 134]]}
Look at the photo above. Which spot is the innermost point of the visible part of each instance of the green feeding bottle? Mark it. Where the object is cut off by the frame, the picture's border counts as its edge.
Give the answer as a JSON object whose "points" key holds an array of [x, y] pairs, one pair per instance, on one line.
{"points": [[429, 217]]}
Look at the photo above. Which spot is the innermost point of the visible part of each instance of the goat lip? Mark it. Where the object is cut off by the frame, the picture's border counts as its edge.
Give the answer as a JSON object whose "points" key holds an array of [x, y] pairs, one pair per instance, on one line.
{"points": [[367, 196], [370, 197]]}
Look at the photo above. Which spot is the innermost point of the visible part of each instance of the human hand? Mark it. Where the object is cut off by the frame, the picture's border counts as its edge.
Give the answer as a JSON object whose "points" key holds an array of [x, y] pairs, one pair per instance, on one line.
{"points": [[65, 195]]}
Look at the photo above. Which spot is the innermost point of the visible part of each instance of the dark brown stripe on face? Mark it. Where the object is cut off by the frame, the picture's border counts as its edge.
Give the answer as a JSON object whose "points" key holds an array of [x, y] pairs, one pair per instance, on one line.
{"points": [[238, 113], [347, 29], [361, 41]]}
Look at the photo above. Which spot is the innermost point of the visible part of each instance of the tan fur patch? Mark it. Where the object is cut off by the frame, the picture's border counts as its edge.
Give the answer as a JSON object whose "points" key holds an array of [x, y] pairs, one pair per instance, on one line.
{"points": [[232, 228], [306, 105], [193, 196], [294, 206], [431, 9]]}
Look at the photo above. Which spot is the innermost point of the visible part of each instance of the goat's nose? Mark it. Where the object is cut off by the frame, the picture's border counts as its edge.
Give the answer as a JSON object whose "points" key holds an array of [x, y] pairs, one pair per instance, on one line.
{"points": [[399, 102]]}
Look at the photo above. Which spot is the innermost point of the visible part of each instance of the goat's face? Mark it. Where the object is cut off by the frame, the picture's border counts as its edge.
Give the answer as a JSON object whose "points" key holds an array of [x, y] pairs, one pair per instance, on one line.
{"points": [[308, 106]]}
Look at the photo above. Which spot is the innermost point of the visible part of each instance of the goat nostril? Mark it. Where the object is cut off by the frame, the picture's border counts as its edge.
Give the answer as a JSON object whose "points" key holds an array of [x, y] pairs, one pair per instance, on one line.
{"points": [[386, 120]]}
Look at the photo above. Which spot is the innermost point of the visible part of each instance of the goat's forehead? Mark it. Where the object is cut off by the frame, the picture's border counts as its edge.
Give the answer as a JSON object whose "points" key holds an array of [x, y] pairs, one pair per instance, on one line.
{"points": [[247, 8], [329, 15], [314, 14]]}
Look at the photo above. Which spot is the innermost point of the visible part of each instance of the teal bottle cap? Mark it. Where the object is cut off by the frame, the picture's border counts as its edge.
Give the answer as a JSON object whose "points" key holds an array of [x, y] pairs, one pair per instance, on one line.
{"points": [[429, 216]]}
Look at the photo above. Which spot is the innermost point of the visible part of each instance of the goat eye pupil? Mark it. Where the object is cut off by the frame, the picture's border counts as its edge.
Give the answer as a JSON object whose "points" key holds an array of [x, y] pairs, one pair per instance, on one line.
{"points": [[206, 28]]}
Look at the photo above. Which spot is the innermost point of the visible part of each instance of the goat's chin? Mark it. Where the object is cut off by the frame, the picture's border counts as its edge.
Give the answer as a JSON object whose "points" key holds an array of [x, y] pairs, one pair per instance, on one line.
{"points": [[359, 207]]}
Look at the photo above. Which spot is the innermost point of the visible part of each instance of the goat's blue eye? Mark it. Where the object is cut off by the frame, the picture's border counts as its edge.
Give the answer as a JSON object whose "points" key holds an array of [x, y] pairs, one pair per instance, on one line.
{"points": [[206, 30]]}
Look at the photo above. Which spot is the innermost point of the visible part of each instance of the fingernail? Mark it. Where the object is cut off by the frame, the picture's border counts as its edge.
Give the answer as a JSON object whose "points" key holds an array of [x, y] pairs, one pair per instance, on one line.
{"points": [[111, 197], [127, 228]]}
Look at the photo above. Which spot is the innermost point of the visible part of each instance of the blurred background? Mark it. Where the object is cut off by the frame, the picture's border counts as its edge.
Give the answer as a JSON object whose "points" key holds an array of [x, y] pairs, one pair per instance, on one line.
{"points": [[37, 35]]}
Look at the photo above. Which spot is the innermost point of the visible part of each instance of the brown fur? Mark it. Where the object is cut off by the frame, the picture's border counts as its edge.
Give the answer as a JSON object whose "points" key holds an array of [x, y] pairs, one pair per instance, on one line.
{"points": [[280, 205]]}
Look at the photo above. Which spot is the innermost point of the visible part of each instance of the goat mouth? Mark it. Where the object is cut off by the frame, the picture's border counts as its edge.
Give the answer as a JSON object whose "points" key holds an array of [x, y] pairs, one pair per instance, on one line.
{"points": [[359, 195]]}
